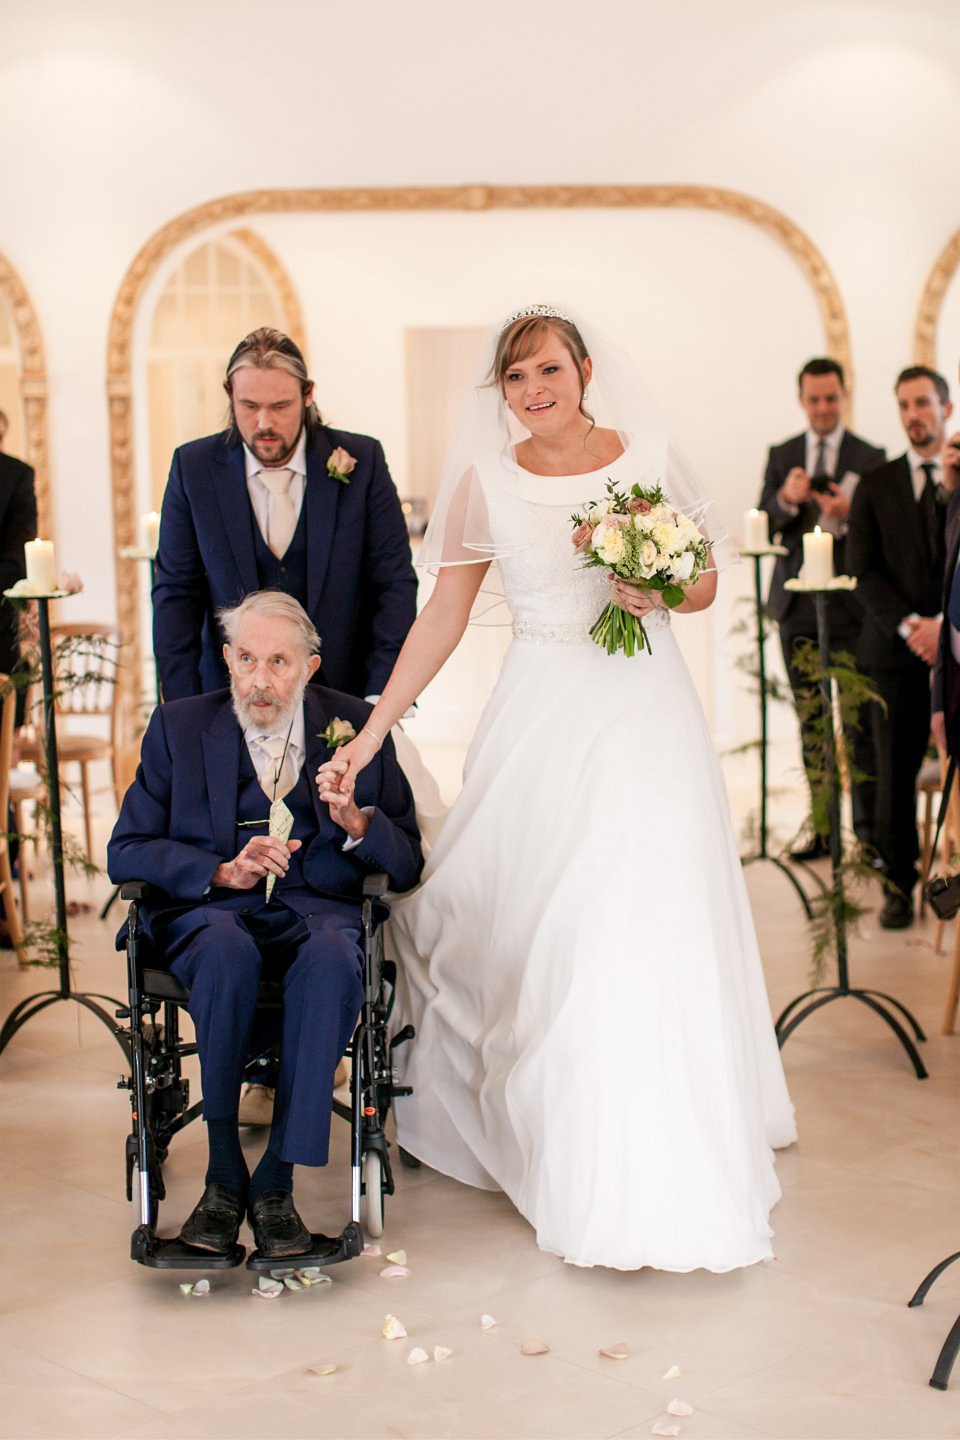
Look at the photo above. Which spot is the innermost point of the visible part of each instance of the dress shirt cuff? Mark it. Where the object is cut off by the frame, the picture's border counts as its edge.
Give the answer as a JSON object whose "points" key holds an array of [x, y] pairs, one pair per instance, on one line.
{"points": [[905, 628], [352, 844]]}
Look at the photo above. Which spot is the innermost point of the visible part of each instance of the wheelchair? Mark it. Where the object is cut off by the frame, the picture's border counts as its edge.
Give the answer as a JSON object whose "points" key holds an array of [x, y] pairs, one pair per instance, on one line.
{"points": [[160, 1092]]}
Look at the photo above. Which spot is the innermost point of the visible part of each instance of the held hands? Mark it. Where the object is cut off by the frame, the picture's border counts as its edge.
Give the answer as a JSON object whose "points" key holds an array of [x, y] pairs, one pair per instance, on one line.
{"points": [[347, 763], [336, 784], [924, 638], [261, 856]]}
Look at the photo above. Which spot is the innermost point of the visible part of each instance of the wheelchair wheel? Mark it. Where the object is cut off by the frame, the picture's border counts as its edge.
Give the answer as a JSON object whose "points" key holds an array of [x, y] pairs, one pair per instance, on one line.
{"points": [[373, 1194]]}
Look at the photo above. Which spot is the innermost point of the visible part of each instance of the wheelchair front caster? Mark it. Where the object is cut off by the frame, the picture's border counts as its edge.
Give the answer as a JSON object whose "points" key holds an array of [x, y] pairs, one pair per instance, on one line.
{"points": [[373, 1194]]}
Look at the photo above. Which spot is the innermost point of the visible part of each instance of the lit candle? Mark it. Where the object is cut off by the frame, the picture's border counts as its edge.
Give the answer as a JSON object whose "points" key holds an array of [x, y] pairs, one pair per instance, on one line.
{"points": [[41, 566], [150, 525], [818, 558], [756, 530]]}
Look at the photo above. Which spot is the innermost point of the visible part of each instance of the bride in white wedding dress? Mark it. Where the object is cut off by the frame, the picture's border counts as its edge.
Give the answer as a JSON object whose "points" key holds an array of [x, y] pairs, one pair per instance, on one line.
{"points": [[593, 1031]]}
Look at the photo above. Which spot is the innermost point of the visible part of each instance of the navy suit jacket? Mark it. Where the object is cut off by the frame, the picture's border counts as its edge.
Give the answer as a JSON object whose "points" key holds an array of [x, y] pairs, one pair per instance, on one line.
{"points": [[946, 671], [178, 818], [361, 586]]}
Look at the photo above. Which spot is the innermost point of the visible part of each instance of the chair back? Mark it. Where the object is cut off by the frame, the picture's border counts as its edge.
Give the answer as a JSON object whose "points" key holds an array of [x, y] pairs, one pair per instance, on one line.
{"points": [[86, 661], [8, 708]]}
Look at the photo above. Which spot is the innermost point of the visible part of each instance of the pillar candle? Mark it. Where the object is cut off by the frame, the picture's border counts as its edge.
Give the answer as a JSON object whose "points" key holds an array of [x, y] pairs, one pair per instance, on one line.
{"points": [[41, 565], [818, 558], [756, 530], [150, 524]]}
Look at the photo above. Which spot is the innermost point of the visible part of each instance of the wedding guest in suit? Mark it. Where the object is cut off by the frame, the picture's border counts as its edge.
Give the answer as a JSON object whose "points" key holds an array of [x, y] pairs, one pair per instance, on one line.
{"points": [[18, 524], [946, 670], [896, 548], [280, 500], [194, 825], [810, 480]]}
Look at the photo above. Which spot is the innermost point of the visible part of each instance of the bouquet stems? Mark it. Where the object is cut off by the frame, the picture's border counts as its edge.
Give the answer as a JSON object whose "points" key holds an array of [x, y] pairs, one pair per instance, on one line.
{"points": [[617, 630]]}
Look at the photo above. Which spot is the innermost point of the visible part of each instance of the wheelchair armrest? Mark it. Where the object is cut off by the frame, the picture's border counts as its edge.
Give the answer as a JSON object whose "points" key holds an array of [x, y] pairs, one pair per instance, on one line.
{"points": [[138, 890], [376, 885]]}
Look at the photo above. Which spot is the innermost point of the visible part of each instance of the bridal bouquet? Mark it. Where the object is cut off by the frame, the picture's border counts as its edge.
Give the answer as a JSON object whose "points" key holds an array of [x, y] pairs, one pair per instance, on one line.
{"points": [[642, 539]]}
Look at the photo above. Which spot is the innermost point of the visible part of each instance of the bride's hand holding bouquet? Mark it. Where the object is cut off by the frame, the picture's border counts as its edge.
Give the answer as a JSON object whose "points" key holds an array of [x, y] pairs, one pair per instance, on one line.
{"points": [[656, 555]]}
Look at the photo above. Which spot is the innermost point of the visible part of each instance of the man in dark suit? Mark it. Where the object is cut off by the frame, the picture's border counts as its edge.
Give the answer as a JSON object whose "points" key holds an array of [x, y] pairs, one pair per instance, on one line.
{"points": [[896, 548], [945, 702], [810, 480], [200, 824], [18, 524], [281, 501]]}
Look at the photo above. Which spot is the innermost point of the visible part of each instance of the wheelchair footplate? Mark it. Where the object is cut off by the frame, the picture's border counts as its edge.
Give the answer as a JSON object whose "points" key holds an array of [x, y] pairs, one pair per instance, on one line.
{"points": [[159, 1254], [325, 1250]]}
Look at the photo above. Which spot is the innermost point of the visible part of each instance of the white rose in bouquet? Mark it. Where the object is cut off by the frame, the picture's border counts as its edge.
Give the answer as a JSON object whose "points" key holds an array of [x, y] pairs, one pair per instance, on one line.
{"points": [[608, 543], [648, 559], [683, 566]]}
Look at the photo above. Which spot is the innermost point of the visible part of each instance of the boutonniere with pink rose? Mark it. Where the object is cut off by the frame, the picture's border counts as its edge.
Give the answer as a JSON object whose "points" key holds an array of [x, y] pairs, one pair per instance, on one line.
{"points": [[338, 732], [341, 465]]}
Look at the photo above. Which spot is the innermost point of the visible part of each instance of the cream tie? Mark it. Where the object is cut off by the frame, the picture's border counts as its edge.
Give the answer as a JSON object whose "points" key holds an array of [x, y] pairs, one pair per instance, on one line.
{"points": [[274, 770], [281, 516]]}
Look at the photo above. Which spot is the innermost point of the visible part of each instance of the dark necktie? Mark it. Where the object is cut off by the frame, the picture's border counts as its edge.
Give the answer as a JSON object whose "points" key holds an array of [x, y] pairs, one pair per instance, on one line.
{"points": [[931, 515], [820, 463]]}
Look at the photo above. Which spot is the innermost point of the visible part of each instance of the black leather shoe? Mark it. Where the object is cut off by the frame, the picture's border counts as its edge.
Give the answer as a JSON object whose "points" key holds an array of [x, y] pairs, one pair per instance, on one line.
{"points": [[277, 1228], [818, 849], [214, 1223], [897, 912]]}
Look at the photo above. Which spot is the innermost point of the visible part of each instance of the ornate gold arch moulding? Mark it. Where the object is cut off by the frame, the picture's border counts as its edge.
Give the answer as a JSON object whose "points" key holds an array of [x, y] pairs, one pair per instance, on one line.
{"points": [[931, 302], [33, 387], [450, 197]]}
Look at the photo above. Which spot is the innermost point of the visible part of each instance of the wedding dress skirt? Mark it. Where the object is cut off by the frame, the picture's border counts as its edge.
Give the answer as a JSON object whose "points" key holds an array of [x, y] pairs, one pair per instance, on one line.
{"points": [[593, 1031]]}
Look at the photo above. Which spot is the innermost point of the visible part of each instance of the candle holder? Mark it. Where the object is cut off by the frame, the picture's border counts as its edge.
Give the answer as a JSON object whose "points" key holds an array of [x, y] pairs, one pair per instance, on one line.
{"points": [[33, 1004], [883, 1005], [763, 852]]}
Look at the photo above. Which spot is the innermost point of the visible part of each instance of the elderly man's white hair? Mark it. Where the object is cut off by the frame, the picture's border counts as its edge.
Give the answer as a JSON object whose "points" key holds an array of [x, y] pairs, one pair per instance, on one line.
{"points": [[279, 605]]}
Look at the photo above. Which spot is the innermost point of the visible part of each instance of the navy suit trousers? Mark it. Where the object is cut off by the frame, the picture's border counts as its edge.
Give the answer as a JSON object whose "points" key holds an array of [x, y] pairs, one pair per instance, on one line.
{"points": [[221, 951]]}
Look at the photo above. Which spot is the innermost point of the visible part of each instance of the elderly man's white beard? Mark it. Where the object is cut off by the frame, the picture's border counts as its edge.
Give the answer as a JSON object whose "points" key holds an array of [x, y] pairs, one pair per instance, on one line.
{"points": [[270, 721]]}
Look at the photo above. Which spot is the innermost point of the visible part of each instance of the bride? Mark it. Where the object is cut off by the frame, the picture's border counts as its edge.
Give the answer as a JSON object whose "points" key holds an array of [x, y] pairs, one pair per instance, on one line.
{"points": [[593, 1031]]}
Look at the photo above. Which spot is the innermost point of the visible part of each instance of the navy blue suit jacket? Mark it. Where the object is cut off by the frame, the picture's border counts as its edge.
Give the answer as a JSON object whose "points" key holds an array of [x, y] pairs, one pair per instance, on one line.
{"points": [[178, 818], [361, 587]]}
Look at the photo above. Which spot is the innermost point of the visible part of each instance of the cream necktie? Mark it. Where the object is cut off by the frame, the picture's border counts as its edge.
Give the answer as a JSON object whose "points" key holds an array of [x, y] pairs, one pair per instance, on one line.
{"points": [[281, 516], [277, 779]]}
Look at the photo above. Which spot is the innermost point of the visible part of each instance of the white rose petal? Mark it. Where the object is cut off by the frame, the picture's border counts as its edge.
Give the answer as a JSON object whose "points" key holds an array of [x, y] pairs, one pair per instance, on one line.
{"points": [[440, 1352], [679, 1407], [487, 1322], [393, 1329], [417, 1356]]}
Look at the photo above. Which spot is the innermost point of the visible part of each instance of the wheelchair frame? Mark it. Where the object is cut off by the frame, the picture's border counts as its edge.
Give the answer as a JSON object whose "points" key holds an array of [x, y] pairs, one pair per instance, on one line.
{"points": [[160, 1095]]}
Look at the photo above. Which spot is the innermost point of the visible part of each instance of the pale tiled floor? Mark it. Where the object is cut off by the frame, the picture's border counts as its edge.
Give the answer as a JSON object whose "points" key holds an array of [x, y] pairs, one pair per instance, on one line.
{"points": [[817, 1343]]}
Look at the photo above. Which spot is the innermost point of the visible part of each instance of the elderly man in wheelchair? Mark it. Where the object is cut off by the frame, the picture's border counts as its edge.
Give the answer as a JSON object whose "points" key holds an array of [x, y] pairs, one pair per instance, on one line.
{"points": [[255, 874]]}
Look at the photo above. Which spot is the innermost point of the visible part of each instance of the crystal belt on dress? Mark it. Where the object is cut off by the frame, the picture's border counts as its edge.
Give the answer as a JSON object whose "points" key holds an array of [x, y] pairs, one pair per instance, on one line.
{"points": [[575, 634]]}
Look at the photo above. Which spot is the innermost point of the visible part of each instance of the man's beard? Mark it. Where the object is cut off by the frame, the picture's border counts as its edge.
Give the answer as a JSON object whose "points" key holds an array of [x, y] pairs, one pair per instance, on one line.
{"points": [[267, 721], [276, 461]]}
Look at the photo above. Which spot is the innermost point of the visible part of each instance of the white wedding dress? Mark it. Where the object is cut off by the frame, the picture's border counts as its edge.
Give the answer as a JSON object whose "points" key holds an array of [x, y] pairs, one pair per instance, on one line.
{"points": [[593, 1032]]}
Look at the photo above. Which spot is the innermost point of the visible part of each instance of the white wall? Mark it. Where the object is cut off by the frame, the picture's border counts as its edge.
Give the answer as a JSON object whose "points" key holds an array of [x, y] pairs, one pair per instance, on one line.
{"points": [[841, 113]]}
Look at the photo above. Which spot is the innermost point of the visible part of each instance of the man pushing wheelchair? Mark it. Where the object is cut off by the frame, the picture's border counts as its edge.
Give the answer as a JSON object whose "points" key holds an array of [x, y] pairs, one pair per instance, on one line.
{"points": [[254, 874]]}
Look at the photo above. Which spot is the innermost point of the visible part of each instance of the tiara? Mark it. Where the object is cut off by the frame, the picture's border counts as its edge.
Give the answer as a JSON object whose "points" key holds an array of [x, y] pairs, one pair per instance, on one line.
{"points": [[546, 312]]}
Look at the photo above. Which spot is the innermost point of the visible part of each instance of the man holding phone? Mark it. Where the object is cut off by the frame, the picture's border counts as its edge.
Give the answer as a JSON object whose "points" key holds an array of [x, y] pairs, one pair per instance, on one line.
{"points": [[810, 480]]}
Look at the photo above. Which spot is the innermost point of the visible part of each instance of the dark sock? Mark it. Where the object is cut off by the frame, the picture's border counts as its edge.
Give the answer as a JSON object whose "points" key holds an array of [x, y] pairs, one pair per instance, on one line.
{"points": [[271, 1174], [227, 1165]]}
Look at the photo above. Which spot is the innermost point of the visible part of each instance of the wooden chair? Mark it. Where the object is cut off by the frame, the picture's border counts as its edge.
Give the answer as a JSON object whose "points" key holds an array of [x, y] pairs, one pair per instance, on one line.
{"points": [[97, 697], [8, 706]]}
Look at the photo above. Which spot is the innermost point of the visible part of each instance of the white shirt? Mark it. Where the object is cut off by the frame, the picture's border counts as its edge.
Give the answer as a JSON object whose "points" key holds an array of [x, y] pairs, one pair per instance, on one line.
{"points": [[263, 761], [917, 473], [258, 492]]}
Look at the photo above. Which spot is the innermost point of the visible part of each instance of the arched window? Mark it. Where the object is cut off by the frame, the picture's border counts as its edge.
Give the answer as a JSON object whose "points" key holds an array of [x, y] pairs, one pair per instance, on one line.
{"points": [[222, 290]]}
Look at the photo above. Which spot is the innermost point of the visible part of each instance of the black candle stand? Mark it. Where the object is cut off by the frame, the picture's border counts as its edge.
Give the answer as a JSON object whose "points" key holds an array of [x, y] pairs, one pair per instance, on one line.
{"points": [[763, 852], [33, 1004], [951, 1346], [884, 1005]]}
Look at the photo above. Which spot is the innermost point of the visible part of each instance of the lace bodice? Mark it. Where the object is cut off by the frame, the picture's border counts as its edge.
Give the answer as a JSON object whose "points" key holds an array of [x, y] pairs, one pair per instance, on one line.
{"points": [[551, 596]]}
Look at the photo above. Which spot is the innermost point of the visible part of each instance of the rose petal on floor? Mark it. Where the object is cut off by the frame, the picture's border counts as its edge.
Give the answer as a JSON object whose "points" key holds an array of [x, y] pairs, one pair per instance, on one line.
{"points": [[394, 1272], [186, 1289], [399, 1257], [270, 1288], [417, 1356], [663, 1429], [673, 1373], [440, 1352], [321, 1369], [292, 1283], [393, 1329], [618, 1351], [281, 1274], [534, 1347], [679, 1407], [487, 1322], [202, 1287], [371, 1250], [268, 1294]]}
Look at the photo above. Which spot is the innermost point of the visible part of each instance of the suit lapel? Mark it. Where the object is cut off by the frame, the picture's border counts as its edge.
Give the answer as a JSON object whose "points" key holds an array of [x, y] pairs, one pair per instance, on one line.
{"points": [[315, 721], [321, 499], [236, 512], [221, 764], [845, 460]]}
